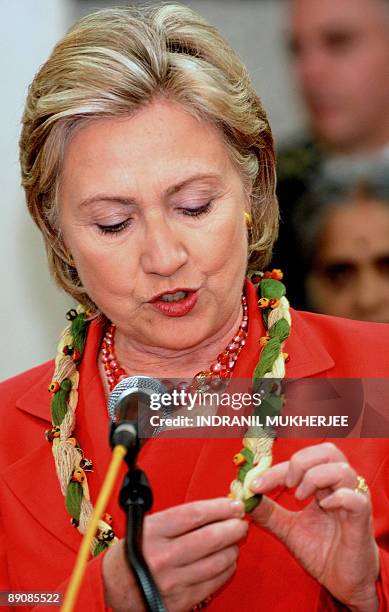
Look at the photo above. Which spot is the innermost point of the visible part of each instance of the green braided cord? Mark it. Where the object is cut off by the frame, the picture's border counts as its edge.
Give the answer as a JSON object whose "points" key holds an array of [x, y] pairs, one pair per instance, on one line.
{"points": [[74, 495], [99, 548], [280, 330], [78, 330], [271, 406], [249, 456], [271, 288], [269, 354], [59, 406], [252, 502]]}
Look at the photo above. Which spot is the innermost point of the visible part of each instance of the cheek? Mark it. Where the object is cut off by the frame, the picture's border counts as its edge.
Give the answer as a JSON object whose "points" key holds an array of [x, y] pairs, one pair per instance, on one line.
{"points": [[342, 304], [224, 247], [105, 272], [327, 299], [320, 295], [385, 292]]}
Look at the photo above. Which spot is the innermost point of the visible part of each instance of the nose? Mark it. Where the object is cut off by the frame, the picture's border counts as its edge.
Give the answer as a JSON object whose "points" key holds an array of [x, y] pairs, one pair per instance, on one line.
{"points": [[164, 251], [371, 294]]}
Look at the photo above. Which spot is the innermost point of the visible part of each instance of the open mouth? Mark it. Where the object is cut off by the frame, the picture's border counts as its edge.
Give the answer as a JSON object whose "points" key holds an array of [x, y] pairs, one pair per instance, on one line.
{"points": [[174, 297], [176, 303]]}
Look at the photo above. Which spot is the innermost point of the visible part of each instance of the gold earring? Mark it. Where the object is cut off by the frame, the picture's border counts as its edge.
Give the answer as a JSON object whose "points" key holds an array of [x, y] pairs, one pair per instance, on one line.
{"points": [[249, 220]]}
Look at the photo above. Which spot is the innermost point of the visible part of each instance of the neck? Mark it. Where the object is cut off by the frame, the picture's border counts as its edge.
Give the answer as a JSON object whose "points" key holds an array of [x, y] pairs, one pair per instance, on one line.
{"points": [[138, 359]]}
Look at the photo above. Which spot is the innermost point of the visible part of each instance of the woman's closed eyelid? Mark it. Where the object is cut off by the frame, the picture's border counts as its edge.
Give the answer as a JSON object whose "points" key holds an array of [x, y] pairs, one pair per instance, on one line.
{"points": [[196, 211], [116, 228]]}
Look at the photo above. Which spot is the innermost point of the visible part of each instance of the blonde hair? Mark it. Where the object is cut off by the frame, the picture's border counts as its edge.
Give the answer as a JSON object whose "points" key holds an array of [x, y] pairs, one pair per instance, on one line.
{"points": [[115, 61]]}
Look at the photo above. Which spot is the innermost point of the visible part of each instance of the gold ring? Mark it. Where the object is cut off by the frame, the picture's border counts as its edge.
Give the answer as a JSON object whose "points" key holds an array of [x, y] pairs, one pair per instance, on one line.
{"points": [[361, 487]]}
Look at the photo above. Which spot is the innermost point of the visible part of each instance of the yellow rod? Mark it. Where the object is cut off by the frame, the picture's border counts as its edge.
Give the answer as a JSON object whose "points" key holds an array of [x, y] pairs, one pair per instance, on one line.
{"points": [[118, 454]]}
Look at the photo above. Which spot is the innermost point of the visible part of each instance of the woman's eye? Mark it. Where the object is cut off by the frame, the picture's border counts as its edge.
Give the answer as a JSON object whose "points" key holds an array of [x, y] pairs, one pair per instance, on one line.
{"points": [[197, 212], [113, 229]]}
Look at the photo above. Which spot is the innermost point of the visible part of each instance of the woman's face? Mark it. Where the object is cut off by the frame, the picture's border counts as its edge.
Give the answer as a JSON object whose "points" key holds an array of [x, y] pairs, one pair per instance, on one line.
{"points": [[152, 204], [351, 275]]}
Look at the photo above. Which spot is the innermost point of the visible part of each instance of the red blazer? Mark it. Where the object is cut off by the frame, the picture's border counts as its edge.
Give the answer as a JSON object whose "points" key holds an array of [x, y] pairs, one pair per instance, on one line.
{"points": [[38, 544]]}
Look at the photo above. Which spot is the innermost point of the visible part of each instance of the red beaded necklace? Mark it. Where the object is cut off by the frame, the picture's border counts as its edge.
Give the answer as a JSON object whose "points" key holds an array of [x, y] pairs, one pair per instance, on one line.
{"points": [[215, 377]]}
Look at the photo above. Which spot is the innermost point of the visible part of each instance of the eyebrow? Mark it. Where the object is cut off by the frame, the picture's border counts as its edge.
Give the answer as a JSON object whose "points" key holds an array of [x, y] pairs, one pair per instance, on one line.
{"points": [[128, 201], [193, 179]]}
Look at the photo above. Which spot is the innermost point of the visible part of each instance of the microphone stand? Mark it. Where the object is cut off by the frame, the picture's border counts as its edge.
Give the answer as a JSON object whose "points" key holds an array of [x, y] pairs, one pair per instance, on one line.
{"points": [[136, 498]]}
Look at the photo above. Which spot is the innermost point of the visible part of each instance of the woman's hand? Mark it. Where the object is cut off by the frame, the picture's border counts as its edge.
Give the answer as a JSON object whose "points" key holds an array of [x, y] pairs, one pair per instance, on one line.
{"points": [[332, 537], [191, 550]]}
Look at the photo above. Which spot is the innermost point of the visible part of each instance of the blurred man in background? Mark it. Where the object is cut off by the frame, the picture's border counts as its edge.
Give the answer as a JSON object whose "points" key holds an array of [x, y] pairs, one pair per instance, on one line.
{"points": [[340, 52]]}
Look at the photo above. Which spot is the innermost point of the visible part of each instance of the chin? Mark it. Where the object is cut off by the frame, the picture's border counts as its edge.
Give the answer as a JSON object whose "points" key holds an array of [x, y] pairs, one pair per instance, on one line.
{"points": [[178, 342], [334, 134]]}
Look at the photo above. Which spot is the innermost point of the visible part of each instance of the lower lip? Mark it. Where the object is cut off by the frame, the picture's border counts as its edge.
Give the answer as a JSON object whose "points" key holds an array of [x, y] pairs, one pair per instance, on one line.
{"points": [[177, 309]]}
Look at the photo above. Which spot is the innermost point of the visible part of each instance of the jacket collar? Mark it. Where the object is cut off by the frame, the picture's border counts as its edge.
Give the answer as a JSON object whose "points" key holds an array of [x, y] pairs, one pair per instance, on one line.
{"points": [[36, 401]]}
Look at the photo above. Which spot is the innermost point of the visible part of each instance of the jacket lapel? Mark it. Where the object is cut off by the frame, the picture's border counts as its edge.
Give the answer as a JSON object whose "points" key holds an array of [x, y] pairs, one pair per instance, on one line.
{"points": [[36, 401], [32, 480], [29, 483]]}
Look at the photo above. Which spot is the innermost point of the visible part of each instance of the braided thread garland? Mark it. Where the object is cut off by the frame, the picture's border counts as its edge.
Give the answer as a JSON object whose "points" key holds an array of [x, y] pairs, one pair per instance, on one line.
{"points": [[68, 456], [256, 455], [253, 459]]}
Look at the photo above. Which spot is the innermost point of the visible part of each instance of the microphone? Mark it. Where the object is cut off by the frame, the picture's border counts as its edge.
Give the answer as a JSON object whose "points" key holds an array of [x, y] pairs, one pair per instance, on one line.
{"points": [[128, 402], [130, 393]]}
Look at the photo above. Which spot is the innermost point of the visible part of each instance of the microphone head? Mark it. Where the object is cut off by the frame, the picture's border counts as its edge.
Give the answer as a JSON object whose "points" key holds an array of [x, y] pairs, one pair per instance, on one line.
{"points": [[133, 384]]}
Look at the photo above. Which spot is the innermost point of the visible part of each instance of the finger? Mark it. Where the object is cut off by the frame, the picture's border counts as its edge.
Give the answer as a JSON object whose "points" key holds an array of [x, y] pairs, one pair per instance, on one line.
{"points": [[273, 477], [207, 540], [209, 567], [322, 493], [186, 517], [327, 475], [273, 517], [289, 473], [356, 504], [310, 456], [207, 589]]}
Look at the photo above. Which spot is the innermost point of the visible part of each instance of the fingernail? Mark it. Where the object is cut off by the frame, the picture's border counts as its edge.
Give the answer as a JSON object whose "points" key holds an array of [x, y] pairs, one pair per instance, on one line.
{"points": [[299, 493], [238, 507], [256, 484]]}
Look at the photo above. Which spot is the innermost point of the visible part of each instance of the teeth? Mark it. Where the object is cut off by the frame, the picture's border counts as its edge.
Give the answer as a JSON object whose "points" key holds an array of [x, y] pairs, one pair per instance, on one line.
{"points": [[173, 297]]}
